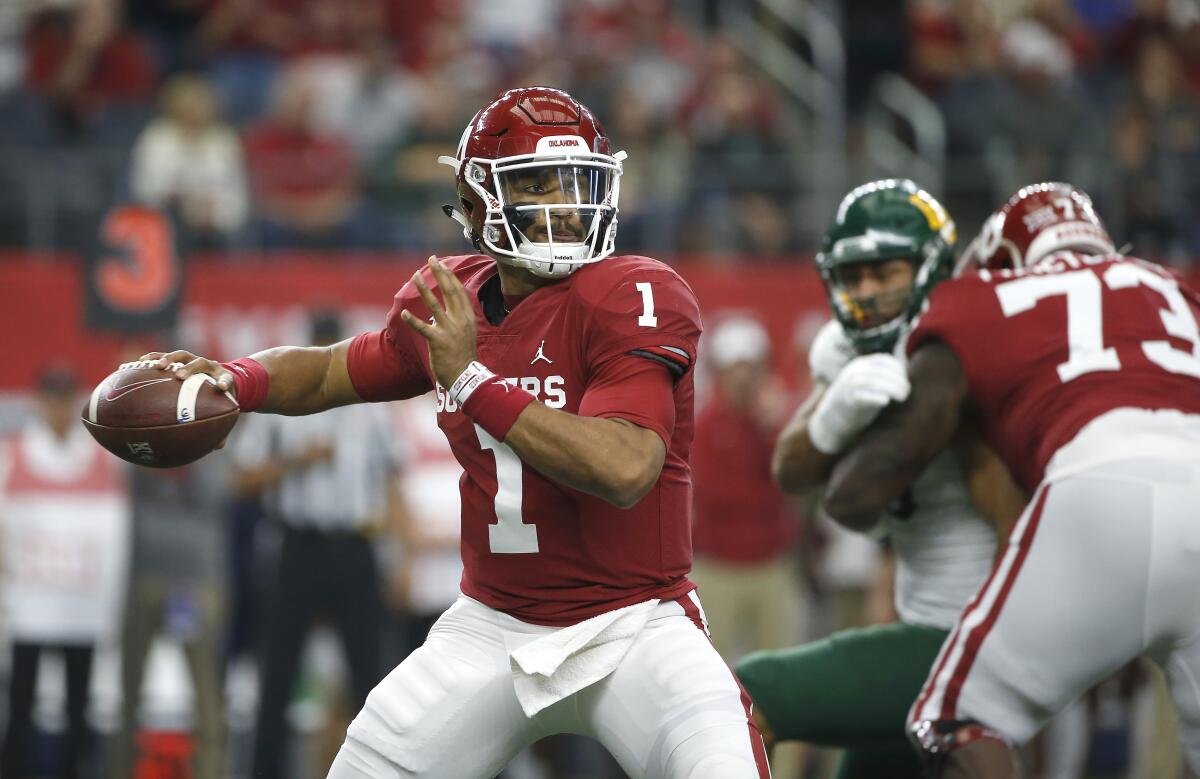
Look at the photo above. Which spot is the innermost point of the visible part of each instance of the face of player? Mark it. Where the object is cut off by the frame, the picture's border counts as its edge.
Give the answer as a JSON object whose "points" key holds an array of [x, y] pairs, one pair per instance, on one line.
{"points": [[879, 289], [561, 184]]}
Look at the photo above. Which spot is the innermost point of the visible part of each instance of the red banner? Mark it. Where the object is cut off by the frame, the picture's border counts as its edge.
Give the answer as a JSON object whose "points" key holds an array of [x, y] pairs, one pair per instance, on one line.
{"points": [[233, 306]]}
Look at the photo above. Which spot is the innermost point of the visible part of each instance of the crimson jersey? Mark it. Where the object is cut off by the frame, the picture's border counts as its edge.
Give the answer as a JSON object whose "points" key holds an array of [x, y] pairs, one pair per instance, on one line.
{"points": [[531, 547], [1050, 348]]}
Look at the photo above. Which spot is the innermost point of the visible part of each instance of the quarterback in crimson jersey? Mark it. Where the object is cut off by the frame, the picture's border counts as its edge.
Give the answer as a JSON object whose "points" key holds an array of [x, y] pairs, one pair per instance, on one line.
{"points": [[582, 345], [564, 384], [1082, 366]]}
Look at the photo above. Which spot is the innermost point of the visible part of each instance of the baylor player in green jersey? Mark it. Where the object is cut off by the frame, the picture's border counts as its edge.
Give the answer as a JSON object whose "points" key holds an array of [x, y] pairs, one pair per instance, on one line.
{"points": [[889, 244]]}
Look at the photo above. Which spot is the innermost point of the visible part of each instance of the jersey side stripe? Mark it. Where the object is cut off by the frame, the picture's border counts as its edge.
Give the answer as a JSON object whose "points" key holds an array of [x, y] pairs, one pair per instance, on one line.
{"points": [[977, 636], [931, 705]]}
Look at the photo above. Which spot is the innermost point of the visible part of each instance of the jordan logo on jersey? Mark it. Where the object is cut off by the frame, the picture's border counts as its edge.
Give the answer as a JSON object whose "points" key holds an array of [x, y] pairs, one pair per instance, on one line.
{"points": [[541, 354]]}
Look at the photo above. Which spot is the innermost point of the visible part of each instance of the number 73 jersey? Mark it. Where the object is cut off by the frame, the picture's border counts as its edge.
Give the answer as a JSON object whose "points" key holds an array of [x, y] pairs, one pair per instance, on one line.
{"points": [[531, 547], [1049, 348]]}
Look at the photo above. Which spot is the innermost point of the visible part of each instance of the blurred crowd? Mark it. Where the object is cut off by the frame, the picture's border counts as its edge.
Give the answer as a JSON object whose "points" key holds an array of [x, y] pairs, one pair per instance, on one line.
{"points": [[1103, 94], [317, 125], [300, 123]]}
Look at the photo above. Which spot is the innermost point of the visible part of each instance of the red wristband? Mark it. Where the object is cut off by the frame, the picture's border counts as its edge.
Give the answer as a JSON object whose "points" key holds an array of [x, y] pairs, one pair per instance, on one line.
{"points": [[495, 406], [250, 382]]}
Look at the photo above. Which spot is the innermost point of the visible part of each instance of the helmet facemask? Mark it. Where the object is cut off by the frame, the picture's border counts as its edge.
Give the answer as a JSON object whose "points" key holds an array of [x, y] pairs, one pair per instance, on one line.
{"points": [[550, 212], [875, 319]]}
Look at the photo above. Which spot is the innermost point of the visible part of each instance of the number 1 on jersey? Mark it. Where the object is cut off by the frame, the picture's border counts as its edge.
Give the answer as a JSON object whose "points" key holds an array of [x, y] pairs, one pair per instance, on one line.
{"points": [[647, 319], [510, 534]]}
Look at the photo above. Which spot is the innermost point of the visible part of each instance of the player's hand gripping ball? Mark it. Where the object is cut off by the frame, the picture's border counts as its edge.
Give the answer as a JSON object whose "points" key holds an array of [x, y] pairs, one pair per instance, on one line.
{"points": [[147, 416]]}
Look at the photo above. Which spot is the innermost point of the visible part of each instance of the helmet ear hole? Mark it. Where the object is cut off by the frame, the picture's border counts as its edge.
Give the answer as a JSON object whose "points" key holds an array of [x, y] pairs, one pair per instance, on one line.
{"points": [[467, 205]]}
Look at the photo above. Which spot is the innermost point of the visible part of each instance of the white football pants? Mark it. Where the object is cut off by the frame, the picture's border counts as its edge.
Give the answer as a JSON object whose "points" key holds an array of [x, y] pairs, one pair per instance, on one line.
{"points": [[672, 709], [1103, 566]]}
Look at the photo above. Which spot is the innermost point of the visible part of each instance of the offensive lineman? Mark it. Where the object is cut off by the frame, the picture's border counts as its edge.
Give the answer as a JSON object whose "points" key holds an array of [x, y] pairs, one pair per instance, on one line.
{"points": [[576, 614], [1083, 367], [889, 244]]}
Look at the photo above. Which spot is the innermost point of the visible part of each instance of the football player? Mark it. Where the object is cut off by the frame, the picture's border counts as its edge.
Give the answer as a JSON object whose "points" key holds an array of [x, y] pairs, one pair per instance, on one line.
{"points": [[889, 244], [564, 385], [1083, 367]]}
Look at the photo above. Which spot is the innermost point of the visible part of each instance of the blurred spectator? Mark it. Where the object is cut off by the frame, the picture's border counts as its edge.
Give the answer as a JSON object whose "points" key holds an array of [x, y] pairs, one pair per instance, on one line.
{"points": [[249, 42], [332, 476], [424, 581], [64, 504], [304, 181], [24, 121], [85, 64], [467, 74], [734, 126], [509, 26], [632, 45], [1156, 151], [189, 163], [657, 55], [951, 40], [171, 28], [338, 28], [177, 588], [12, 55], [408, 185], [1038, 128], [744, 535], [244, 41], [363, 96], [654, 180]]}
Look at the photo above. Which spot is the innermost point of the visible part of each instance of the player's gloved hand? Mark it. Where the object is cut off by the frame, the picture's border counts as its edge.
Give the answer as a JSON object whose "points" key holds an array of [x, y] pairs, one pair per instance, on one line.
{"points": [[829, 352], [863, 388]]}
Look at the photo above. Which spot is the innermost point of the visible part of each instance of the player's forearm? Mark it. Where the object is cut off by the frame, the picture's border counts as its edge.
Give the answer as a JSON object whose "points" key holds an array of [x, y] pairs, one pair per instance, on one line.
{"points": [[612, 459], [887, 457], [862, 485], [796, 465], [306, 379]]}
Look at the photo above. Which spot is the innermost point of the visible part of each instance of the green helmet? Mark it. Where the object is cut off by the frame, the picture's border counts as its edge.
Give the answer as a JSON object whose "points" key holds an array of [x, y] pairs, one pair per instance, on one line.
{"points": [[879, 221]]}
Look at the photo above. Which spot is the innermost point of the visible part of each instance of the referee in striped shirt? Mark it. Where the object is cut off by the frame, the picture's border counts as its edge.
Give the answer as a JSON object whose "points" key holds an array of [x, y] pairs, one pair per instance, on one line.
{"points": [[331, 480]]}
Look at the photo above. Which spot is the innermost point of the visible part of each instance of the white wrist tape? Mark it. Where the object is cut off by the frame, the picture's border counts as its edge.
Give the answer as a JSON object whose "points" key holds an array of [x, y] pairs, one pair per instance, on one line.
{"points": [[472, 377]]}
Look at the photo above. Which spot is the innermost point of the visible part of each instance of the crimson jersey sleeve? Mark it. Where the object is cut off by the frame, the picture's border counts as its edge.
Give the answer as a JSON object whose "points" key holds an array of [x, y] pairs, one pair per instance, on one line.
{"points": [[636, 305], [635, 389], [386, 364], [949, 315]]}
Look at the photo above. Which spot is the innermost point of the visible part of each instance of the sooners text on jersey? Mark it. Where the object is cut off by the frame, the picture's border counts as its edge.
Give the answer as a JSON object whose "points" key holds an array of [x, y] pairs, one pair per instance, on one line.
{"points": [[1049, 348], [532, 547]]}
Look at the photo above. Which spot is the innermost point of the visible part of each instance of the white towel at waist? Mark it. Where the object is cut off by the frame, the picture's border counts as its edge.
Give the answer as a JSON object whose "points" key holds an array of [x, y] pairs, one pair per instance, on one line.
{"points": [[559, 664]]}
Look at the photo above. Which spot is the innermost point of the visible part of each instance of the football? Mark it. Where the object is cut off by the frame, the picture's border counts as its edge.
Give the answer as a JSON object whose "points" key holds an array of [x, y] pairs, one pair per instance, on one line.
{"points": [[146, 416]]}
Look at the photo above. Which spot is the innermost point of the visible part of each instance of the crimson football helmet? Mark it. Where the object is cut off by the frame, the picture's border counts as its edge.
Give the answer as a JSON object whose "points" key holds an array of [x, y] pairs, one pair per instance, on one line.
{"points": [[537, 182], [1038, 220]]}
